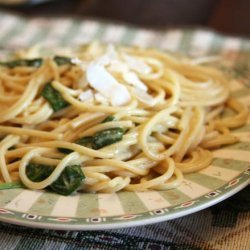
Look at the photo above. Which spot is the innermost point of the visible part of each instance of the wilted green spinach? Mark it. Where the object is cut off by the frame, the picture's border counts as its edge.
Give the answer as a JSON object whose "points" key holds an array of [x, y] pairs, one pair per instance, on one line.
{"points": [[68, 182]]}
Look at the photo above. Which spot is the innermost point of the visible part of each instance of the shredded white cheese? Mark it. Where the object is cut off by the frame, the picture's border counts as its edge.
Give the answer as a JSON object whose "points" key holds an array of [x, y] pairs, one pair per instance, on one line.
{"points": [[86, 96], [109, 90], [102, 81], [76, 61], [118, 66], [108, 57], [144, 97], [101, 99], [136, 64], [83, 64], [132, 79]]}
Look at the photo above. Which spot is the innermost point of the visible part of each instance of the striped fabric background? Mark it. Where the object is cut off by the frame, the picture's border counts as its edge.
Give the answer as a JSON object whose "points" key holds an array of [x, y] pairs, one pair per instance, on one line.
{"points": [[19, 32], [206, 232]]}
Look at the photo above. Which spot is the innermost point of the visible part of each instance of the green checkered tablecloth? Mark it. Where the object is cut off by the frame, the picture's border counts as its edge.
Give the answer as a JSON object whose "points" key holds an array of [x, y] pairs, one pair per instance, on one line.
{"points": [[224, 226]]}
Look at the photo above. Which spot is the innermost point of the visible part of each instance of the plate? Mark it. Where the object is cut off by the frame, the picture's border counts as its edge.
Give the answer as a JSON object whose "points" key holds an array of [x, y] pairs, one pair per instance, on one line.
{"points": [[126, 209], [228, 174]]}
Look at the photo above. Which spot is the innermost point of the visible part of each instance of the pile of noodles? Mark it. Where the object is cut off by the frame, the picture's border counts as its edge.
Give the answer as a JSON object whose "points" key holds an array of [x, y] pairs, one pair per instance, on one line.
{"points": [[170, 109]]}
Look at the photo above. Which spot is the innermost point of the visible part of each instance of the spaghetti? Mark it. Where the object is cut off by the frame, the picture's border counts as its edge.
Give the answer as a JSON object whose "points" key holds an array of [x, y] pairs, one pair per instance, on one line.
{"points": [[105, 119]]}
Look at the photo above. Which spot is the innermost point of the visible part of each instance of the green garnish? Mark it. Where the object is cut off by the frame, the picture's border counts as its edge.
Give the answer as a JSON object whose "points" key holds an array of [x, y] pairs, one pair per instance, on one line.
{"points": [[99, 140], [11, 185], [37, 62], [84, 141], [107, 137], [65, 150], [68, 182], [38, 172], [109, 118], [61, 60], [54, 97]]}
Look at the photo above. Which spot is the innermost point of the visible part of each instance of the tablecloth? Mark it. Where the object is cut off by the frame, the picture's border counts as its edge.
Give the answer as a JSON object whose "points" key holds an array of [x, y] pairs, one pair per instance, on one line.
{"points": [[223, 226]]}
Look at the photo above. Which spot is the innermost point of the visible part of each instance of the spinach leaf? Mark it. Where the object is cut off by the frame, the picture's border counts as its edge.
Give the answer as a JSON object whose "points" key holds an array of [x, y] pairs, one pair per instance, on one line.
{"points": [[61, 60], [107, 137], [84, 141], [11, 185], [69, 181], [65, 150], [99, 140], [54, 97], [36, 62], [109, 118], [38, 172]]}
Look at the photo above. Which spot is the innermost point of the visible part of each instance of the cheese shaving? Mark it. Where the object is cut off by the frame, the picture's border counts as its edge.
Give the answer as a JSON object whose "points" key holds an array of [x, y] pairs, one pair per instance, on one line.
{"points": [[132, 79], [102, 81], [86, 96], [136, 64], [144, 97]]}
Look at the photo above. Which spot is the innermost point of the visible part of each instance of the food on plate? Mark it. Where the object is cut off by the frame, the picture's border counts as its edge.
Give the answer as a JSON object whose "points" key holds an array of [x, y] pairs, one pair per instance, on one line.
{"points": [[105, 118]]}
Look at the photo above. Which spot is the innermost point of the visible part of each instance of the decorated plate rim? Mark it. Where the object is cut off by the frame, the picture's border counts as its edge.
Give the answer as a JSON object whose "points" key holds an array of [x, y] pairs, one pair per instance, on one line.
{"points": [[130, 220]]}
